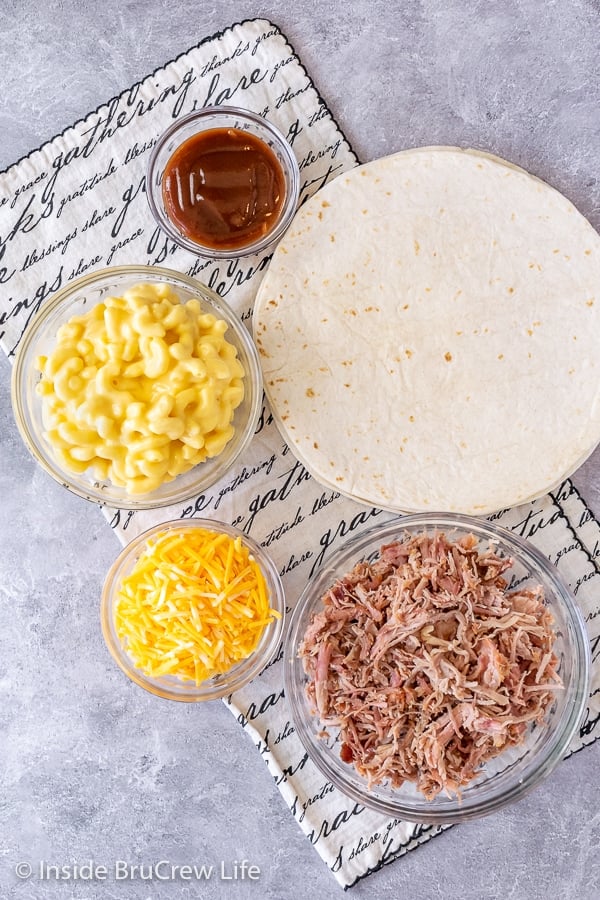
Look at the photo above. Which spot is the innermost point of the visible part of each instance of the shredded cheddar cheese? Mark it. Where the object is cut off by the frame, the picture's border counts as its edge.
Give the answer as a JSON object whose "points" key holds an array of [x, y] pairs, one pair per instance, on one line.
{"points": [[195, 603]]}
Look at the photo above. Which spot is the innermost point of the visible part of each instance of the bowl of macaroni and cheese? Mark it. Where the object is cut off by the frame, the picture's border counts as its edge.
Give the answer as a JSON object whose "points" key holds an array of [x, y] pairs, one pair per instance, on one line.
{"points": [[136, 387]]}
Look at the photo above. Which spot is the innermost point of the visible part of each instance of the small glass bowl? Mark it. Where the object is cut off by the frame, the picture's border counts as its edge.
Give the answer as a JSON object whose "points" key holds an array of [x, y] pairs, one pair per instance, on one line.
{"points": [[170, 687], [39, 339], [211, 117], [513, 773]]}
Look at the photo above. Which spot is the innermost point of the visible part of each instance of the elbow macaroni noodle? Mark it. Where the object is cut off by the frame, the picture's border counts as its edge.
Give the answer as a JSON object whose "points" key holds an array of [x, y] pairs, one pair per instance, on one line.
{"points": [[140, 388]]}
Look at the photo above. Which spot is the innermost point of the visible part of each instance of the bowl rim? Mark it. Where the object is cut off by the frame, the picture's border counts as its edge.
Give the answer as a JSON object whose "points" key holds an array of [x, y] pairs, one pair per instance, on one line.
{"points": [[245, 670], [454, 810], [35, 446], [291, 175]]}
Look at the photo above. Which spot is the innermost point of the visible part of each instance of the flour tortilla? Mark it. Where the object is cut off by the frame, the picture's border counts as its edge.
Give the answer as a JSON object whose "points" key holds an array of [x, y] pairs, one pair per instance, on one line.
{"points": [[429, 332]]}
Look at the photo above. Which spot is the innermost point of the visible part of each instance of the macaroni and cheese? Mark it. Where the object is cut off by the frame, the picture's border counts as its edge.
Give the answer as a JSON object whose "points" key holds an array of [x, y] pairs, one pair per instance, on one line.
{"points": [[140, 388]]}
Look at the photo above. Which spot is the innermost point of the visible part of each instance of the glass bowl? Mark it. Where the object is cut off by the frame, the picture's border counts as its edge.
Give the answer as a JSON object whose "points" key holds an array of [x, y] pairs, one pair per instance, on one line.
{"points": [[515, 771], [78, 297], [170, 687], [199, 122]]}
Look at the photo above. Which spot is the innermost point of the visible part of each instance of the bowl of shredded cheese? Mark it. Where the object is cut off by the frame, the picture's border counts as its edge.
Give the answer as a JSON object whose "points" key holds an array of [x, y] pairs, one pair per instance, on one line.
{"points": [[192, 610], [136, 387], [437, 667]]}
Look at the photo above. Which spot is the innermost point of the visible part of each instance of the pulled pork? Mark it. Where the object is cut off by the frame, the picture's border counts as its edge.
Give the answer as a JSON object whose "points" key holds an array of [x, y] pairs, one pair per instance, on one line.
{"points": [[428, 664]]}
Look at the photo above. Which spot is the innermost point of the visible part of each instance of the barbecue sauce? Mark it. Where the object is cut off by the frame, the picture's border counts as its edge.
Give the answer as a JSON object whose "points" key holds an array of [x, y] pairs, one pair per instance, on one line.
{"points": [[223, 188]]}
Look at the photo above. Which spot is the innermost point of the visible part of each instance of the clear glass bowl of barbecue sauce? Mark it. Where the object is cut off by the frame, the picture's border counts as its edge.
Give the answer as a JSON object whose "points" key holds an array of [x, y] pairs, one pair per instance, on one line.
{"points": [[223, 182]]}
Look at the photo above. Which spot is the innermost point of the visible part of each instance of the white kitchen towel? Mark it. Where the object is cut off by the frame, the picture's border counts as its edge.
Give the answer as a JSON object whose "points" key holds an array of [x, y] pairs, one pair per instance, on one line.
{"points": [[77, 204]]}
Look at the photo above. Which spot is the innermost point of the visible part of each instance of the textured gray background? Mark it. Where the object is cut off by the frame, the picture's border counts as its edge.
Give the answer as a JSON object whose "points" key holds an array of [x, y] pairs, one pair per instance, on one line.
{"points": [[92, 767]]}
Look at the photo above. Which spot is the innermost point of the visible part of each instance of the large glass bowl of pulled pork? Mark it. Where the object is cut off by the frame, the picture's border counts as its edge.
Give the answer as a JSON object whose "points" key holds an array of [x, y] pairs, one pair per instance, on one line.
{"points": [[437, 668]]}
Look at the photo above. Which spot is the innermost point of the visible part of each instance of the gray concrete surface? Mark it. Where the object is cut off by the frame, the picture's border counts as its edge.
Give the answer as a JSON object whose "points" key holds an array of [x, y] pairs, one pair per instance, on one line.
{"points": [[92, 768]]}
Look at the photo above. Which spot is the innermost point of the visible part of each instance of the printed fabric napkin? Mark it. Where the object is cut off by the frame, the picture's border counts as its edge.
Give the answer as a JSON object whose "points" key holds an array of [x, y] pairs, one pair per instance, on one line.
{"points": [[78, 204]]}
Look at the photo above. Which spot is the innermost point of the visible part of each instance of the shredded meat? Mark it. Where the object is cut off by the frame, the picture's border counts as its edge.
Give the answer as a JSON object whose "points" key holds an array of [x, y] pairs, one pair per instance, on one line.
{"points": [[428, 664]]}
